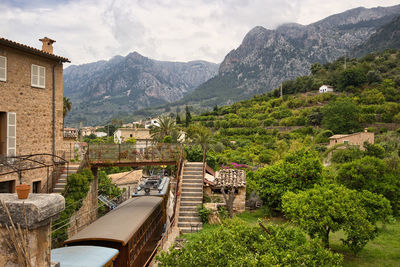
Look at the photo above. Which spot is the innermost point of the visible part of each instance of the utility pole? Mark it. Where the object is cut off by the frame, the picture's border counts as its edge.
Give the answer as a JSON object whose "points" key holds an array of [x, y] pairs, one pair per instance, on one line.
{"points": [[281, 91], [345, 60]]}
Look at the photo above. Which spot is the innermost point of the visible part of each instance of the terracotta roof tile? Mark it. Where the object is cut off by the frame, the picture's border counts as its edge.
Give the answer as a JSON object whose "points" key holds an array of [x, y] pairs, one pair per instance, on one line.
{"points": [[31, 49], [230, 177]]}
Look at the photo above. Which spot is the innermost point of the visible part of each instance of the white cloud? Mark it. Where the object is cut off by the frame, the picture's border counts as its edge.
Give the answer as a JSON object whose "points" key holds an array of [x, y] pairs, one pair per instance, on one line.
{"points": [[179, 30]]}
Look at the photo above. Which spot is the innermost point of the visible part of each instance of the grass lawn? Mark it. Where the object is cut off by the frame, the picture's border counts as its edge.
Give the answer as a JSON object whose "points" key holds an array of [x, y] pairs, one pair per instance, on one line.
{"points": [[384, 250]]}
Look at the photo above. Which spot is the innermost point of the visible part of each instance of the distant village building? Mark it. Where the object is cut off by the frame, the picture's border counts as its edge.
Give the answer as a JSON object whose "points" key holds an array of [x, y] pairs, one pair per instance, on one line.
{"points": [[100, 134], [127, 181], [326, 89], [31, 107], [70, 133], [86, 131], [356, 139], [141, 135], [228, 178], [151, 122]]}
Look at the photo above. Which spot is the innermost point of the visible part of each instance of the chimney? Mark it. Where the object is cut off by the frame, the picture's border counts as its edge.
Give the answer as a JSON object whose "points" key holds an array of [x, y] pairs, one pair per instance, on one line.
{"points": [[365, 130], [47, 45]]}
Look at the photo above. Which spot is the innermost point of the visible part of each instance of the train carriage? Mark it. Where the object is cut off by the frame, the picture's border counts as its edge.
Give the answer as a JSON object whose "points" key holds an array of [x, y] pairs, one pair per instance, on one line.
{"points": [[133, 228]]}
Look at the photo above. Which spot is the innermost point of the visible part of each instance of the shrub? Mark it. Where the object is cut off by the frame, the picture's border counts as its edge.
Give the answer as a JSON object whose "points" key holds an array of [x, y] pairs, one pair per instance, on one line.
{"points": [[203, 213], [235, 243]]}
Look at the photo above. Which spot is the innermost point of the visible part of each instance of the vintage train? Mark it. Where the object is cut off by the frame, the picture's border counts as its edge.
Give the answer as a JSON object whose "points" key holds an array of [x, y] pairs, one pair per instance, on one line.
{"points": [[133, 228]]}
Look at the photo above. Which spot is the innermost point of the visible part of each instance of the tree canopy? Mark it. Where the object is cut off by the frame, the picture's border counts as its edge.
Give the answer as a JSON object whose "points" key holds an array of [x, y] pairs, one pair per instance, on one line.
{"points": [[330, 208]]}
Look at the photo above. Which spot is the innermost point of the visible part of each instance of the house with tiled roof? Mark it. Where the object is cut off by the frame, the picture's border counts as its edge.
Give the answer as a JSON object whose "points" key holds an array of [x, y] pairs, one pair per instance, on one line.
{"points": [[230, 179], [355, 139], [31, 107]]}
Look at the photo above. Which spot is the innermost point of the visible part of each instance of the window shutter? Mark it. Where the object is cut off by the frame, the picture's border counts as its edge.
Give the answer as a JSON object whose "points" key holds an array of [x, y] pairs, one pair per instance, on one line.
{"points": [[35, 76], [3, 68], [11, 134], [42, 73]]}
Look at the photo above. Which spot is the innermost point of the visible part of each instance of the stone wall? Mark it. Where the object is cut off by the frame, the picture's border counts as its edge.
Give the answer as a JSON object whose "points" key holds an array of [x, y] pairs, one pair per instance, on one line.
{"points": [[32, 105], [86, 214], [40, 210], [239, 204]]}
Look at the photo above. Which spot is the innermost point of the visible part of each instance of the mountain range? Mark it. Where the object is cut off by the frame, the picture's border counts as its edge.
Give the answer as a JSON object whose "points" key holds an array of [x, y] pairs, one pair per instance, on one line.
{"points": [[104, 90], [265, 58]]}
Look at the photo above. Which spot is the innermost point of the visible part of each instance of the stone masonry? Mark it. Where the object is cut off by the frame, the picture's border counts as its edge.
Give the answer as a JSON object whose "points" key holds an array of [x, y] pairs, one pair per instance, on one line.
{"points": [[32, 105], [40, 210]]}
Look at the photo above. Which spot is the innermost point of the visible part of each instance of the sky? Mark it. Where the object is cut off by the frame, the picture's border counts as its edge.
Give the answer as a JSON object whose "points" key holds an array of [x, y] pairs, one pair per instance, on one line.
{"points": [[174, 30]]}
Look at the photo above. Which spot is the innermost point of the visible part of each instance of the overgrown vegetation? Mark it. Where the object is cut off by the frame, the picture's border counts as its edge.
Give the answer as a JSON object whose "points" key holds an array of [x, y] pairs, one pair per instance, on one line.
{"points": [[283, 142]]}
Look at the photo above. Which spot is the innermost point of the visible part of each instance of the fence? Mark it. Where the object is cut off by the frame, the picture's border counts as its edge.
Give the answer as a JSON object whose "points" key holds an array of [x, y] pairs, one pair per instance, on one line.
{"points": [[119, 153]]}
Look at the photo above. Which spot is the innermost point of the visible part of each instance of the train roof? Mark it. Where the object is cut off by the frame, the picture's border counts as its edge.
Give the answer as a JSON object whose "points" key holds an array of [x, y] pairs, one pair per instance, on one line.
{"points": [[82, 256], [120, 224]]}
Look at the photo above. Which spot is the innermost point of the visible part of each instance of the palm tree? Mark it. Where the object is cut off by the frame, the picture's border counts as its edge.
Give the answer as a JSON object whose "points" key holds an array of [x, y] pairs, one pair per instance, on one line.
{"points": [[67, 106], [167, 127], [203, 137]]}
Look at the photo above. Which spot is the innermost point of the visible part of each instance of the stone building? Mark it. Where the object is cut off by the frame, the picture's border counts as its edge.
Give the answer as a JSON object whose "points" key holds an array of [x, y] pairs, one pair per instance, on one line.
{"points": [[31, 106], [228, 178], [141, 135], [127, 181], [326, 89], [356, 139]]}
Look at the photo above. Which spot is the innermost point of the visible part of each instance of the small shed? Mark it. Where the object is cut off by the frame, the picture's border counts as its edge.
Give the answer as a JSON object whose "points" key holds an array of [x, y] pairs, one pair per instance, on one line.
{"points": [[228, 178], [326, 89]]}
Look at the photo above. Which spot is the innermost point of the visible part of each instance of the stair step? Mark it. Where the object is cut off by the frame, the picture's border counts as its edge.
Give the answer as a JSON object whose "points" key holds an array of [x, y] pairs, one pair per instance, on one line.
{"points": [[188, 213], [199, 169], [62, 180], [189, 219], [198, 176], [189, 199], [58, 190], [187, 172], [192, 181], [190, 224], [188, 230], [187, 209], [187, 189], [191, 194], [193, 204]]}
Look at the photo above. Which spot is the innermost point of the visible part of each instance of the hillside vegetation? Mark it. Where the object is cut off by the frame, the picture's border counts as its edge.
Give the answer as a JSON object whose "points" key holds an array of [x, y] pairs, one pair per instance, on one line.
{"points": [[261, 130]]}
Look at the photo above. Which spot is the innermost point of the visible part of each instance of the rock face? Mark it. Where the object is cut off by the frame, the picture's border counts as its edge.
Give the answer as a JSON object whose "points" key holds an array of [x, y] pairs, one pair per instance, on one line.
{"points": [[266, 58], [102, 90], [387, 36]]}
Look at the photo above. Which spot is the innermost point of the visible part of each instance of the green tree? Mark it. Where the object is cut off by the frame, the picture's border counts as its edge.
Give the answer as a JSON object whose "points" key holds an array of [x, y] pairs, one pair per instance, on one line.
{"points": [[235, 243], [341, 117], [67, 106], [167, 127], [372, 174], [351, 77], [298, 171], [329, 208], [188, 117], [178, 119], [204, 138]]}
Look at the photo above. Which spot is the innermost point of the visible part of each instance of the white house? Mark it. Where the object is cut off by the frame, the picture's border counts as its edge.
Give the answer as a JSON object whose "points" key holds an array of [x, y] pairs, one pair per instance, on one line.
{"points": [[325, 89], [151, 122]]}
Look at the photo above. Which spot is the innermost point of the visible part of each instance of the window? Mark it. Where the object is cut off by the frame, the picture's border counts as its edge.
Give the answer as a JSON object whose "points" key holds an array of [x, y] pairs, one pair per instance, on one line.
{"points": [[7, 187], [3, 69], [346, 142], [38, 76], [36, 187]]}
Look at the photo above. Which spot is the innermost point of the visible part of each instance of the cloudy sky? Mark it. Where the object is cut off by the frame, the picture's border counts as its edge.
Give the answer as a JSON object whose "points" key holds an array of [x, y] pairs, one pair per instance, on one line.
{"points": [[176, 30]]}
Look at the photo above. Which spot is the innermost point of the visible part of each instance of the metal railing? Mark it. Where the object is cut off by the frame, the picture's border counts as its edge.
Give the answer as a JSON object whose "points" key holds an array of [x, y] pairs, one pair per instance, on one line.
{"points": [[131, 153]]}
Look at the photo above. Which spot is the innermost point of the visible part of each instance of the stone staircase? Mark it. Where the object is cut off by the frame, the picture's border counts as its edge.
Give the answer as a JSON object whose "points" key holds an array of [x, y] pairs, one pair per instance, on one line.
{"points": [[191, 197], [62, 181]]}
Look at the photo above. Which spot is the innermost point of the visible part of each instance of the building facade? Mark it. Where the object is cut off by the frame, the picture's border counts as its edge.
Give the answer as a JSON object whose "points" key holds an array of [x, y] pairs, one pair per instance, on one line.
{"points": [[356, 139], [31, 105]]}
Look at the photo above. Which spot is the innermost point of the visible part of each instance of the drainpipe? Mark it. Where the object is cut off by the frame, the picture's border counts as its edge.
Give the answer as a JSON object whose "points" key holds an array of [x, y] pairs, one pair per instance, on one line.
{"points": [[54, 110]]}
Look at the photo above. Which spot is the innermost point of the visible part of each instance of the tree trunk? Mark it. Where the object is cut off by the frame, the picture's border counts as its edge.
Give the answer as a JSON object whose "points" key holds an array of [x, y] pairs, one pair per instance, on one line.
{"points": [[326, 238], [204, 163], [229, 199]]}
